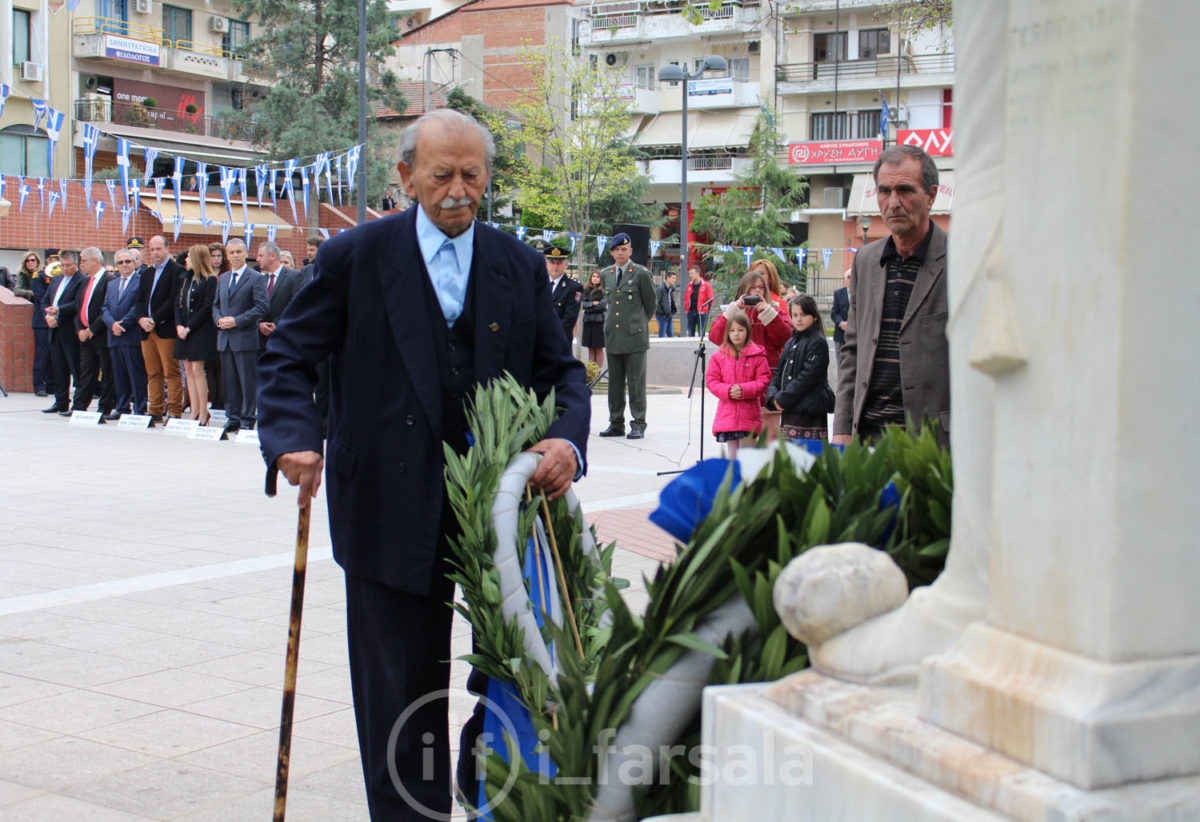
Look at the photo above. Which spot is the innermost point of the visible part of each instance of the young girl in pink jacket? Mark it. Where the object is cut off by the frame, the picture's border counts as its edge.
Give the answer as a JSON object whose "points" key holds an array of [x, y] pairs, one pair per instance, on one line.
{"points": [[738, 375]]}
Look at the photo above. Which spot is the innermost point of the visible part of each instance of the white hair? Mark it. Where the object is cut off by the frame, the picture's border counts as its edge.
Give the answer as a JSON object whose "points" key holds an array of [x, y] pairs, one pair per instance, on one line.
{"points": [[447, 117]]}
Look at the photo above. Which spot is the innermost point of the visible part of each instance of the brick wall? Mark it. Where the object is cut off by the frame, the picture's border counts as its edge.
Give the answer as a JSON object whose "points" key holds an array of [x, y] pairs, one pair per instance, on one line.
{"points": [[16, 342]]}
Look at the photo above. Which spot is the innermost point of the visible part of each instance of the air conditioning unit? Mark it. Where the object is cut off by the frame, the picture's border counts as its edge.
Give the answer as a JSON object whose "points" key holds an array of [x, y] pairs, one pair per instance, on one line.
{"points": [[143, 6], [833, 198], [753, 47], [218, 24], [31, 72], [615, 57]]}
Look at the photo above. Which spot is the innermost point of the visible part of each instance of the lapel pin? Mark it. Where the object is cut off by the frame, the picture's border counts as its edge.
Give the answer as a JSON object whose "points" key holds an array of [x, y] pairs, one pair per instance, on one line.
{"points": [[494, 326]]}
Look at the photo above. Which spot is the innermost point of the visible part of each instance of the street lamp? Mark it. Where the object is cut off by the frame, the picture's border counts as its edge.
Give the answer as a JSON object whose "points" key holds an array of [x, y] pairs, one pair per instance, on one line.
{"points": [[864, 224], [678, 74]]}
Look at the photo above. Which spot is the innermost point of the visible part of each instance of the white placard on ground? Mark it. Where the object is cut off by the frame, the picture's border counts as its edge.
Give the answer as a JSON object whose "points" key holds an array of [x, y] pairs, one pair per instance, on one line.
{"points": [[182, 428], [139, 421], [248, 436], [210, 433], [86, 417]]}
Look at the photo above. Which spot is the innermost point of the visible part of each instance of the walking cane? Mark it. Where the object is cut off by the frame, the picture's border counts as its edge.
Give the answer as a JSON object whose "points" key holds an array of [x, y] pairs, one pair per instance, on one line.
{"points": [[293, 659]]}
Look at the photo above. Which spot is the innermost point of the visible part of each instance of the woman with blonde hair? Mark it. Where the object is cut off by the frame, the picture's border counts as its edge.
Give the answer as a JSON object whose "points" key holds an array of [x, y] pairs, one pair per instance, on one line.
{"points": [[195, 327], [774, 286], [31, 283]]}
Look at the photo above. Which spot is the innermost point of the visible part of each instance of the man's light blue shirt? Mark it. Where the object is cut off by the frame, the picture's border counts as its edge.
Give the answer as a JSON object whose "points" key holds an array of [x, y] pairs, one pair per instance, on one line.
{"points": [[448, 271]]}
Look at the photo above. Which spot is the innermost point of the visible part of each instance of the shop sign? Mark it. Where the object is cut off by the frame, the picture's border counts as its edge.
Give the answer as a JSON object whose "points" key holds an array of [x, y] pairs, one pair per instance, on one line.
{"points": [[836, 151], [936, 142], [135, 51]]}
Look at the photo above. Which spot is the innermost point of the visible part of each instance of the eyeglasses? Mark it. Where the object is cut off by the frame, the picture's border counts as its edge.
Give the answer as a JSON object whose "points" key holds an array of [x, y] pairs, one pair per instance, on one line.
{"points": [[124, 262], [31, 259]]}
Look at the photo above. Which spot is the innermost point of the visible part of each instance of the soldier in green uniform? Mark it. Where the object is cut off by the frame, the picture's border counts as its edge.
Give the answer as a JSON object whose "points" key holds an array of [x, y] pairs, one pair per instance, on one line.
{"points": [[630, 293]]}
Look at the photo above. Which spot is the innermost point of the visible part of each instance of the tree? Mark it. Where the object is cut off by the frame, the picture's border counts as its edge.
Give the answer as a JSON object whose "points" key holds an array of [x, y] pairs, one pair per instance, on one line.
{"points": [[506, 134], [754, 211], [311, 46], [574, 123], [915, 15]]}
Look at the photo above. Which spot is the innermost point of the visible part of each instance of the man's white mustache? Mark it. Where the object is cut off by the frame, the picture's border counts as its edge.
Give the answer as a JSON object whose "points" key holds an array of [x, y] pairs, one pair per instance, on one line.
{"points": [[450, 203]]}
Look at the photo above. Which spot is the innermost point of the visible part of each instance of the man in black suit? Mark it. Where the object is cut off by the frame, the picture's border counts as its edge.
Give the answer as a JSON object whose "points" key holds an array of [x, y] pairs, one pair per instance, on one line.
{"points": [[95, 364], [62, 304], [282, 285], [840, 313], [158, 289], [414, 311], [241, 302]]}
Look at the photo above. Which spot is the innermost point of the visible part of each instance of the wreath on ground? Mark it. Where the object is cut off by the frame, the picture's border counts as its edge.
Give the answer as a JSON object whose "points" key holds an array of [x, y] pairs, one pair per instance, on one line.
{"points": [[710, 617]]}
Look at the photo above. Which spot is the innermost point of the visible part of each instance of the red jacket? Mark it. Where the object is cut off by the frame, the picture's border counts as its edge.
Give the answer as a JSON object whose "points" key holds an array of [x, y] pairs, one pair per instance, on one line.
{"points": [[773, 336], [706, 295], [751, 372]]}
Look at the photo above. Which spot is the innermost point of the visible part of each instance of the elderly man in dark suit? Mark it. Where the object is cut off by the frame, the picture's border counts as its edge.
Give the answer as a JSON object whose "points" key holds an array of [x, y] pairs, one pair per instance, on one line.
{"points": [[894, 367], [125, 337], [61, 302], [241, 303], [95, 366], [413, 311], [839, 314]]}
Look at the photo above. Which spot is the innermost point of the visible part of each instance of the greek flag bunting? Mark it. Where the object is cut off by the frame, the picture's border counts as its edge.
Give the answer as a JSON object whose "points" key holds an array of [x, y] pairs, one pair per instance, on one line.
{"points": [[800, 254], [323, 162], [826, 256], [271, 229], [99, 211], [748, 253], [655, 245], [289, 187], [24, 190], [274, 203], [62, 192], [241, 176], [123, 164], [304, 187], [177, 180], [521, 232], [178, 223], [202, 185], [260, 182], [39, 111], [225, 226], [111, 185], [601, 243], [338, 162], [125, 212], [574, 242], [249, 233], [54, 124], [324, 232], [4, 92], [779, 253], [150, 156], [1, 186], [159, 182], [53, 202], [352, 157], [41, 187], [227, 179]]}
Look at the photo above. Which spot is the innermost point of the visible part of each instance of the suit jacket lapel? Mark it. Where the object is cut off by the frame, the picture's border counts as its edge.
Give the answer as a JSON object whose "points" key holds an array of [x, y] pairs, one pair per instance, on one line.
{"points": [[400, 280], [493, 305], [931, 270]]}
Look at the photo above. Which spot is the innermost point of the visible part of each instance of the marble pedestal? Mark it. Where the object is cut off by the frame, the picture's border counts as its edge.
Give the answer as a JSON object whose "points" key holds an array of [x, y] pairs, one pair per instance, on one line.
{"points": [[812, 748]]}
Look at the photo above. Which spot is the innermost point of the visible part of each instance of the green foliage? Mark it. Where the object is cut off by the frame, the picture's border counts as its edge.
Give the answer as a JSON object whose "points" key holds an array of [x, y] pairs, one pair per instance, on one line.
{"points": [[575, 126], [739, 549], [915, 15], [311, 46], [754, 212], [508, 147]]}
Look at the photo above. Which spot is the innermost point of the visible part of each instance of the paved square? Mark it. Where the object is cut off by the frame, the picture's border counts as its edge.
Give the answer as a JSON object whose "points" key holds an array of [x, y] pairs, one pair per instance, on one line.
{"points": [[144, 590]]}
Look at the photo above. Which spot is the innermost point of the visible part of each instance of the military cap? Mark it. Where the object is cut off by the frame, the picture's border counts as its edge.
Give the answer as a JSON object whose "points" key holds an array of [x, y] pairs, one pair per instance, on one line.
{"points": [[556, 249], [135, 242], [620, 238]]}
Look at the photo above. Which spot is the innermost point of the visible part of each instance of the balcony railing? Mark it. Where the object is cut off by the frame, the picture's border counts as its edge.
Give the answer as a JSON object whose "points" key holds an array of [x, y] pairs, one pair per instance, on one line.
{"points": [[883, 66], [101, 109], [624, 14], [147, 34], [710, 163]]}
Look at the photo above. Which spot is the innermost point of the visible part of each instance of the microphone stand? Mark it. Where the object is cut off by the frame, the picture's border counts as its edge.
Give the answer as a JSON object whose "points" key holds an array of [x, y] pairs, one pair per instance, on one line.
{"points": [[700, 366]]}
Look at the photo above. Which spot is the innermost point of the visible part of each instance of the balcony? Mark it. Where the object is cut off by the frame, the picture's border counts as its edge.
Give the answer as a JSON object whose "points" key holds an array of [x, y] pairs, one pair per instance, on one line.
{"points": [[98, 108], [638, 21], [132, 44], [865, 75], [701, 169]]}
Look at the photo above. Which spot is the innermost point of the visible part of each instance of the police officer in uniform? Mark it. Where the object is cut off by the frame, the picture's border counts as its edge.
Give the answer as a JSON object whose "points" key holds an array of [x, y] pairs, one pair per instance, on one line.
{"points": [[565, 291], [630, 292]]}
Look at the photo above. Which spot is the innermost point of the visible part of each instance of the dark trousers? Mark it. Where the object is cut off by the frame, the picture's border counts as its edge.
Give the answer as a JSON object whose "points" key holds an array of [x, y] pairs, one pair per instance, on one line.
{"points": [[400, 678], [216, 392], [240, 372], [627, 370], [42, 378], [666, 326], [64, 364], [129, 378], [95, 376], [695, 323]]}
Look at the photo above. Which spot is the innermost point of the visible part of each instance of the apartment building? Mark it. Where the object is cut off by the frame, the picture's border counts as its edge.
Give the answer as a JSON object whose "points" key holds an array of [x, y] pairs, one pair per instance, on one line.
{"points": [[31, 37]]}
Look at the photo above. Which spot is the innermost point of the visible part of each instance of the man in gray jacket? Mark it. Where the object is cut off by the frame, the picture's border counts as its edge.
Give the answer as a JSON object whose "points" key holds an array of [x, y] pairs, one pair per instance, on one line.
{"points": [[894, 367], [241, 302]]}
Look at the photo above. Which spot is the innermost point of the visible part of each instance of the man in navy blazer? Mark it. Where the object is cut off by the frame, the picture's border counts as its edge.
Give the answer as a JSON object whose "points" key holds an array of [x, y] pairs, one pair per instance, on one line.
{"points": [[840, 313], [125, 337], [414, 311], [241, 302], [62, 304]]}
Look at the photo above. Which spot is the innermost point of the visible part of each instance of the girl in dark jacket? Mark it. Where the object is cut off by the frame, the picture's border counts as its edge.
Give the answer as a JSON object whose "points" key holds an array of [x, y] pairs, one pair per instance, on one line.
{"points": [[800, 386], [593, 319]]}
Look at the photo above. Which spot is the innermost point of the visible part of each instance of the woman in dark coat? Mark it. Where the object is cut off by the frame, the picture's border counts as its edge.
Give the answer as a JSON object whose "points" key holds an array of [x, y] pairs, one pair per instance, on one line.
{"points": [[212, 368], [31, 283], [194, 325], [593, 319], [800, 386]]}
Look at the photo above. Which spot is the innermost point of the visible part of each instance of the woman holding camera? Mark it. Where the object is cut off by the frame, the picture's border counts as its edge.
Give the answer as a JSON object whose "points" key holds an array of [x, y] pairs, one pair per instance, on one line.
{"points": [[768, 327]]}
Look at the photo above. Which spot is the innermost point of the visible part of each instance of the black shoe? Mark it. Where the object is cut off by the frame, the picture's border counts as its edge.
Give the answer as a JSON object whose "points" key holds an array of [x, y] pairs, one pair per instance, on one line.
{"points": [[113, 417], [66, 413], [54, 409], [634, 434], [230, 430], [613, 431], [41, 392]]}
